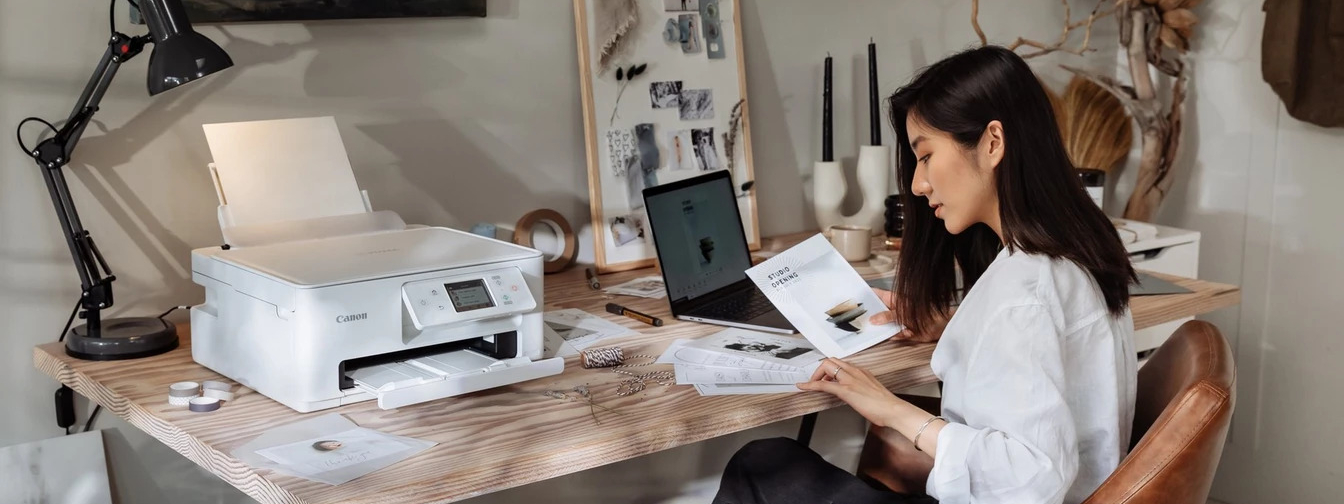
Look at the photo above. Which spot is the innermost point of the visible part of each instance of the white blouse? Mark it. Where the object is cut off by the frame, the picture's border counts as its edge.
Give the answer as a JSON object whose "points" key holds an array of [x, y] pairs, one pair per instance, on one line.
{"points": [[1038, 386]]}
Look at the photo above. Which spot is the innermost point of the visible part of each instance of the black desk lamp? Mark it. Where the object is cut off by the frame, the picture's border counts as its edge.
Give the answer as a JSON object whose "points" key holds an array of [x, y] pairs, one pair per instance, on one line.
{"points": [[180, 56]]}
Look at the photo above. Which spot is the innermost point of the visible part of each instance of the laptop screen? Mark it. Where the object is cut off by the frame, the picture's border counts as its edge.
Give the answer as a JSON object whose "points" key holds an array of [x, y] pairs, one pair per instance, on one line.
{"points": [[698, 233]]}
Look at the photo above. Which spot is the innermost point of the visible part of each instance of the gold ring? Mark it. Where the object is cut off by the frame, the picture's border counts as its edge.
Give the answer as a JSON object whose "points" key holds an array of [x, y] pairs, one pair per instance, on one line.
{"points": [[836, 374]]}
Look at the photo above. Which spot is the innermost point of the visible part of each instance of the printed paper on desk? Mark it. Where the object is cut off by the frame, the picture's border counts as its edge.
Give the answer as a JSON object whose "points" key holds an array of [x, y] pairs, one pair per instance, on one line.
{"points": [[689, 374], [331, 454], [647, 287], [790, 351], [713, 389], [581, 329], [341, 450], [821, 294], [679, 353]]}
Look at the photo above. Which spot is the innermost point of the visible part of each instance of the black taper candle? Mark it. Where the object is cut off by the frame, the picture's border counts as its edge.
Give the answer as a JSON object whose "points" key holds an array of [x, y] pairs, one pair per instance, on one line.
{"points": [[827, 148], [874, 122]]}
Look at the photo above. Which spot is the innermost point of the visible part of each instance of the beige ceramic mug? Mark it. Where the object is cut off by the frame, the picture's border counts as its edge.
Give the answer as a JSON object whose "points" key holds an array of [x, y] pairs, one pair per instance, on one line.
{"points": [[854, 242]]}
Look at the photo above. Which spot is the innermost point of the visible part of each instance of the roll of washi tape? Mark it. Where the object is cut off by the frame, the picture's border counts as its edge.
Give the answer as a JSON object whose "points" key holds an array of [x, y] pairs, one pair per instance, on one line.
{"points": [[181, 393], [203, 404], [216, 385], [222, 395], [522, 235]]}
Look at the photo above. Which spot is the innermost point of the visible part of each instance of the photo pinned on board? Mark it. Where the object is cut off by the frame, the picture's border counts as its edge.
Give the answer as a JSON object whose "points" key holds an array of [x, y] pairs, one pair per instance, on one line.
{"points": [[706, 155], [666, 94], [634, 182], [648, 151], [620, 148], [681, 5], [690, 31], [680, 150], [697, 104], [627, 229]]}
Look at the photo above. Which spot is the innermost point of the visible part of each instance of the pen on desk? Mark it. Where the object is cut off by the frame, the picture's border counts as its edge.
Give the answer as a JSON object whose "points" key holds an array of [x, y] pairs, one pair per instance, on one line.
{"points": [[592, 278], [647, 319]]}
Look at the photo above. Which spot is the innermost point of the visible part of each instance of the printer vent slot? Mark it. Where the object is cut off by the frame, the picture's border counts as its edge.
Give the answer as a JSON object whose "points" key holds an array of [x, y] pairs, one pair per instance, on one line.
{"points": [[500, 346]]}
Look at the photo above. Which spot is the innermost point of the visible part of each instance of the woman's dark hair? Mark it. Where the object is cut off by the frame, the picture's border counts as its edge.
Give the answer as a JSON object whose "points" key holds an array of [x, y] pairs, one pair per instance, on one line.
{"points": [[1042, 204]]}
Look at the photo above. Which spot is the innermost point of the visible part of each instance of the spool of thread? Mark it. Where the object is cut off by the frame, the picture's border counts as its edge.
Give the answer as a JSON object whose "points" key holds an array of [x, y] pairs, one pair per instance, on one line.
{"points": [[602, 357]]}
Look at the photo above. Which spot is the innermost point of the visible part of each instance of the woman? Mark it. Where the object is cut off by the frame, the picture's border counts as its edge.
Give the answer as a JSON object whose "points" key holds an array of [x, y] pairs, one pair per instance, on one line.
{"points": [[1037, 363]]}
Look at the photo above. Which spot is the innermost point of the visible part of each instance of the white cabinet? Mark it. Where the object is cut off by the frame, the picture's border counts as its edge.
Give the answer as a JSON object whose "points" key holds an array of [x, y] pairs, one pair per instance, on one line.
{"points": [[1160, 249]]}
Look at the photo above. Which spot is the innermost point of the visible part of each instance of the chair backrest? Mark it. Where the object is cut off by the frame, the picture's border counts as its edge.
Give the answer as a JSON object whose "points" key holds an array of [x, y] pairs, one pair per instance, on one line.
{"points": [[1186, 393]]}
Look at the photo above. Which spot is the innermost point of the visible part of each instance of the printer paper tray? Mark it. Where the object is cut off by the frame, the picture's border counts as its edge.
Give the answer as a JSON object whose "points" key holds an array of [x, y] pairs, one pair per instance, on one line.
{"points": [[447, 374]]}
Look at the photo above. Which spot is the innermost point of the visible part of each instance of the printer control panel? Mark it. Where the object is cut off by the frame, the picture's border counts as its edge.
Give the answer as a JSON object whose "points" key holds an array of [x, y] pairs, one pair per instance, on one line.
{"points": [[460, 298]]}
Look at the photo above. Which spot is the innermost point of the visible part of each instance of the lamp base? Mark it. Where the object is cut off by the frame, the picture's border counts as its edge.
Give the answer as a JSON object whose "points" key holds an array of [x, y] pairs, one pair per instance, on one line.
{"points": [[122, 338]]}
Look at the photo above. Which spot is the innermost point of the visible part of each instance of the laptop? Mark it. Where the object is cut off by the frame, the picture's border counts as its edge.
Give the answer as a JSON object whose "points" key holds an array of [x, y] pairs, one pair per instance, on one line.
{"points": [[702, 248]]}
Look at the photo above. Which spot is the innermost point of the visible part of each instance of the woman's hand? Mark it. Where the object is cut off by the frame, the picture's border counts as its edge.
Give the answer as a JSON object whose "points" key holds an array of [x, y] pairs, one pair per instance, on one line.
{"points": [[856, 387], [889, 298]]}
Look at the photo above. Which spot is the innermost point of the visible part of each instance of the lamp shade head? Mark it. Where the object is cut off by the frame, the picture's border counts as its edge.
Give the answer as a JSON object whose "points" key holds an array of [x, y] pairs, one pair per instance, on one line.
{"points": [[180, 54], [182, 59]]}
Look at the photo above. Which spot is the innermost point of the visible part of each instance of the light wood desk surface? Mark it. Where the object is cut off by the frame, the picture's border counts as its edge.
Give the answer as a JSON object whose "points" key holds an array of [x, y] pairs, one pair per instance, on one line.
{"points": [[508, 436]]}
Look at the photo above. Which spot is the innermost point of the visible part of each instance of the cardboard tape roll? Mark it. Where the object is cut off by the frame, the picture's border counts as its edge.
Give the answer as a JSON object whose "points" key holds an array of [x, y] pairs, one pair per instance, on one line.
{"points": [[203, 404], [522, 235]]}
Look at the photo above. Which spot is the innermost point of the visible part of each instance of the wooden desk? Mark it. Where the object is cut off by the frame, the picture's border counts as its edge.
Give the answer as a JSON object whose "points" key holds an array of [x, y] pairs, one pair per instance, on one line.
{"points": [[508, 436]]}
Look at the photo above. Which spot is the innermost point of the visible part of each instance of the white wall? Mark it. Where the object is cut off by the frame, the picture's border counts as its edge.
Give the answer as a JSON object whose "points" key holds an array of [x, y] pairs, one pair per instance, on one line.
{"points": [[443, 119], [1262, 187]]}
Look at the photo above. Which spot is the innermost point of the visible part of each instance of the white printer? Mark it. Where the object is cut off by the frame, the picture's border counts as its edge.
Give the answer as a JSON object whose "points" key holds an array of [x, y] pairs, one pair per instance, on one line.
{"points": [[317, 301]]}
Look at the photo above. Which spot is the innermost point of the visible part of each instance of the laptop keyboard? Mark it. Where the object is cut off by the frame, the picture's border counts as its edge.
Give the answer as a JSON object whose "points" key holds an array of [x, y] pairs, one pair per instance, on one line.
{"points": [[741, 307]]}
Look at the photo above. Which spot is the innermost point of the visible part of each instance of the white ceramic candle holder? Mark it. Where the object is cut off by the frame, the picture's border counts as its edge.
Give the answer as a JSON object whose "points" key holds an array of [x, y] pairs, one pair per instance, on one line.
{"points": [[829, 189]]}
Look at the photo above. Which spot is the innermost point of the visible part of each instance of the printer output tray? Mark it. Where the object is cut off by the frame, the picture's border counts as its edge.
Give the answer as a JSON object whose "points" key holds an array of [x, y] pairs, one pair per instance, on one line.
{"points": [[447, 374]]}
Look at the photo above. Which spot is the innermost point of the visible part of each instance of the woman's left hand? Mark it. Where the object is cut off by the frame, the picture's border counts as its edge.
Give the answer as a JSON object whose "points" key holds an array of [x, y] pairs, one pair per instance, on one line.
{"points": [[856, 387]]}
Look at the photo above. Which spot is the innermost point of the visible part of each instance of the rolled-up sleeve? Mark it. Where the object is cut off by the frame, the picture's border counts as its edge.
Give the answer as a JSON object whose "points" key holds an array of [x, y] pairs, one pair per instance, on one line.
{"points": [[1017, 441]]}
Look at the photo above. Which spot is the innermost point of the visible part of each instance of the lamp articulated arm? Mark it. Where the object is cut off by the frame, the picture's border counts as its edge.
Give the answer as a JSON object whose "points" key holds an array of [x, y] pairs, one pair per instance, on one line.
{"points": [[54, 153]]}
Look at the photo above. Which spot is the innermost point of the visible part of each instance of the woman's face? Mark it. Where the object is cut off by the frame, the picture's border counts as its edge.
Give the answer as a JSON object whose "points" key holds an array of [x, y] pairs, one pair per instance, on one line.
{"points": [[958, 183]]}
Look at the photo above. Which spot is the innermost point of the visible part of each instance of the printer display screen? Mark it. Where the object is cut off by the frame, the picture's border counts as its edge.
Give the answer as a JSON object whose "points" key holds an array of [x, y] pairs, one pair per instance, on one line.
{"points": [[469, 295]]}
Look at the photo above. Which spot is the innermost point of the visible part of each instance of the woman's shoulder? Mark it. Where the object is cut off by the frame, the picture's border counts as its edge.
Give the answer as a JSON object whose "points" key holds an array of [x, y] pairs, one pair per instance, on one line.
{"points": [[1052, 282]]}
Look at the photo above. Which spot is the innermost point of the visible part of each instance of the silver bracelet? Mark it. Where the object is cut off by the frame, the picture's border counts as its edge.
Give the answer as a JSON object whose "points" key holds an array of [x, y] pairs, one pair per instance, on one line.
{"points": [[921, 430]]}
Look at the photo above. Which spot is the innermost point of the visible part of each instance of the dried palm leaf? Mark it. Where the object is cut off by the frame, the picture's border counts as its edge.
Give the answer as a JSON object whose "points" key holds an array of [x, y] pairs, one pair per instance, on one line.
{"points": [[1097, 131]]}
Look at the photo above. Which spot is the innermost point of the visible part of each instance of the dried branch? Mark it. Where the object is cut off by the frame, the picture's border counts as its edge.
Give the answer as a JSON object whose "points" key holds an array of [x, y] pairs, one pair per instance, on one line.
{"points": [[1121, 91], [1043, 48], [975, 22], [1156, 168]]}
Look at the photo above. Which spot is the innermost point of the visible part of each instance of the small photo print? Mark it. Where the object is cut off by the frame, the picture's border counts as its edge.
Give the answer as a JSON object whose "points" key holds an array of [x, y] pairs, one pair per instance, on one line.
{"points": [[697, 104], [681, 5], [680, 150], [626, 229], [665, 94], [767, 349], [690, 29], [706, 155]]}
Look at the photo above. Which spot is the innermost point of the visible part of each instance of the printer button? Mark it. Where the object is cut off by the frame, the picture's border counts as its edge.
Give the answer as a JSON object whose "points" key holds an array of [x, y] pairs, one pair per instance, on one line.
{"points": [[440, 307], [434, 292], [423, 302]]}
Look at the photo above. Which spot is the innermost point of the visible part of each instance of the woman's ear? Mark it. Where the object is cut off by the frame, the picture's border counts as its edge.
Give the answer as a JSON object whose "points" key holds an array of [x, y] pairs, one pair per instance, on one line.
{"points": [[992, 145]]}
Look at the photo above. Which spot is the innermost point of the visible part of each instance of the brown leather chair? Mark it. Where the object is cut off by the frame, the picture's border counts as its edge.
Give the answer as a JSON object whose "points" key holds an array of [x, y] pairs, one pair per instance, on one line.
{"points": [[1186, 392]]}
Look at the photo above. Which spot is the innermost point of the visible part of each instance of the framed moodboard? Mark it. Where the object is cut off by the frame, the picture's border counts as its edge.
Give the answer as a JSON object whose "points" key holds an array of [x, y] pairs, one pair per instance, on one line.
{"points": [[683, 114]]}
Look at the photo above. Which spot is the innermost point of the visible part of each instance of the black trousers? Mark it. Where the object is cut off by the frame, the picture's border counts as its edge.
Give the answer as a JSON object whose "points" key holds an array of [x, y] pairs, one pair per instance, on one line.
{"points": [[783, 471]]}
